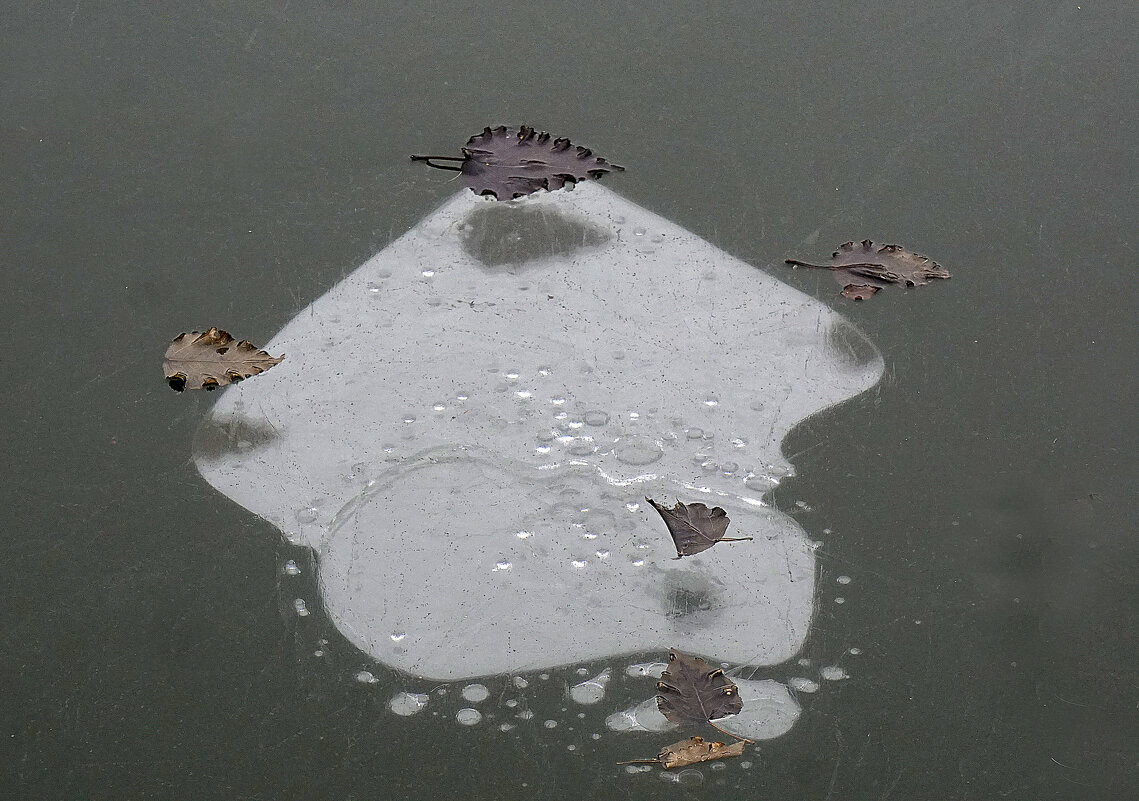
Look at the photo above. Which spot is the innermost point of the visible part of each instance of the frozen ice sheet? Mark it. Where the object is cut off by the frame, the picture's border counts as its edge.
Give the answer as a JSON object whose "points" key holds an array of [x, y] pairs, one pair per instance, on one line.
{"points": [[465, 427]]}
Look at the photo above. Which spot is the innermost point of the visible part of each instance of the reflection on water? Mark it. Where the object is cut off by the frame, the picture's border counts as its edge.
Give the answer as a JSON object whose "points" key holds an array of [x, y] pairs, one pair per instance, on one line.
{"points": [[467, 451]]}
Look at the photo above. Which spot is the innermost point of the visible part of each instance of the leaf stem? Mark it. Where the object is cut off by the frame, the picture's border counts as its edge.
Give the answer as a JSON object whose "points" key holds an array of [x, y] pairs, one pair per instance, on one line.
{"points": [[430, 161], [725, 731]]}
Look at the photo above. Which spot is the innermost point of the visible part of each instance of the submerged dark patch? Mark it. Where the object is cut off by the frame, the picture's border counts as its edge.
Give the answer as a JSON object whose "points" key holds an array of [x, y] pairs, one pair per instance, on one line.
{"points": [[500, 235]]}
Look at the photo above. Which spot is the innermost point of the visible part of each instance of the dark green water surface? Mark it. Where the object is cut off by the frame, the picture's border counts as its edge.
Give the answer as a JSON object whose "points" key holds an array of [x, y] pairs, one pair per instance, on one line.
{"points": [[165, 167]]}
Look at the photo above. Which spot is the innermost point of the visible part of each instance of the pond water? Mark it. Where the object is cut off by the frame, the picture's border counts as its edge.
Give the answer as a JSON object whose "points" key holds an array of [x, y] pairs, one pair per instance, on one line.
{"points": [[415, 560]]}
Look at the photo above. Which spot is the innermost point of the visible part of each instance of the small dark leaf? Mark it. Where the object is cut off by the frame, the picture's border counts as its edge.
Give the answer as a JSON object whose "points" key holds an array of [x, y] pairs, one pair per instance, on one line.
{"points": [[692, 691], [508, 163], [693, 750], [211, 359], [876, 267], [694, 527]]}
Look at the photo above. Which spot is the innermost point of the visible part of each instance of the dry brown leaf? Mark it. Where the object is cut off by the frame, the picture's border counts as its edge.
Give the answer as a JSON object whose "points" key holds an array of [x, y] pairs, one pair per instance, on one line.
{"points": [[693, 750], [875, 267], [508, 163], [212, 359], [694, 527]]}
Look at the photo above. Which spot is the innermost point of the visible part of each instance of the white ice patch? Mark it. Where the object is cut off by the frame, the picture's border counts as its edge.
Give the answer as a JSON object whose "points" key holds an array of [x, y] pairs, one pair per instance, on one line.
{"points": [[592, 690], [407, 704], [653, 669], [539, 367]]}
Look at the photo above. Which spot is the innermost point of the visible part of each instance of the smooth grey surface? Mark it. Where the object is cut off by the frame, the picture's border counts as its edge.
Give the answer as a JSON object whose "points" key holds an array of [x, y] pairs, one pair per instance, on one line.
{"points": [[168, 168]]}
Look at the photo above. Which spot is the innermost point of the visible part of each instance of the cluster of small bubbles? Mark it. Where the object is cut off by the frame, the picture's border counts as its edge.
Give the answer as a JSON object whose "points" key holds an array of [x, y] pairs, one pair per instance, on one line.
{"points": [[502, 565], [301, 607], [550, 724], [854, 651], [833, 673], [596, 418], [521, 683], [397, 636], [579, 563], [694, 433], [406, 704], [802, 684], [291, 568], [843, 579], [840, 600], [745, 764], [306, 514], [804, 662], [476, 693], [468, 716], [441, 691], [366, 677]]}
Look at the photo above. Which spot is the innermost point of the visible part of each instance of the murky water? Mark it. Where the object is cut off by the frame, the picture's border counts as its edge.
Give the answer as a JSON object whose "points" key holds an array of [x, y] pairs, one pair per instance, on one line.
{"points": [[432, 582]]}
